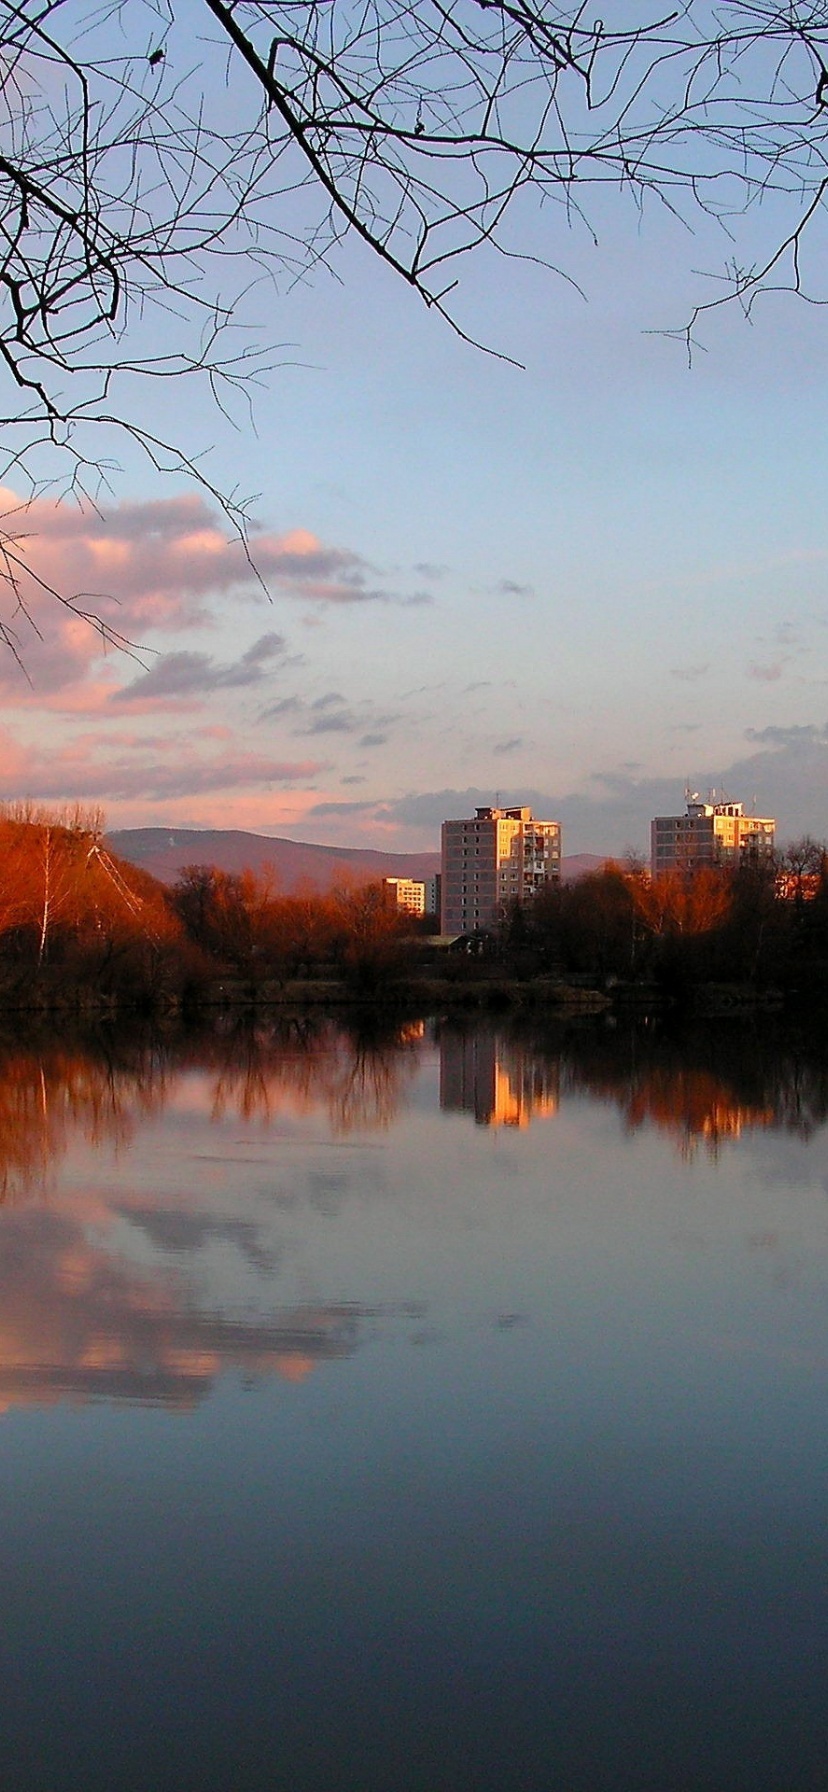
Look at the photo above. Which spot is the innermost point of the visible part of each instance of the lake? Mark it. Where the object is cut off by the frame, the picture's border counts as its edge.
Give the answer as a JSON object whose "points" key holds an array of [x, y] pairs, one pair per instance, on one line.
{"points": [[442, 1409]]}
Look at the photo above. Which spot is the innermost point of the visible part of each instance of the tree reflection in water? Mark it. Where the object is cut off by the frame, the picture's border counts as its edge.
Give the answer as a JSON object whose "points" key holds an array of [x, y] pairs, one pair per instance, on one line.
{"points": [[102, 1285], [702, 1085], [101, 1288], [98, 1088], [50, 1092], [706, 1084], [357, 1078]]}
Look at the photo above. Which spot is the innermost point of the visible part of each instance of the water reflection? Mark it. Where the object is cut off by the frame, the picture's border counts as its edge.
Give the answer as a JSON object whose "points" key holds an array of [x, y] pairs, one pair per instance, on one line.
{"points": [[49, 1092], [105, 1293], [79, 1322], [703, 1087], [356, 1080], [453, 1449], [149, 1293], [501, 1081], [101, 1088]]}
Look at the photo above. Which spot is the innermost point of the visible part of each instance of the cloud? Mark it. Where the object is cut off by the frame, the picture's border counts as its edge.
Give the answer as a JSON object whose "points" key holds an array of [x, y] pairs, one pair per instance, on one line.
{"points": [[285, 707], [105, 768], [158, 561], [187, 674], [344, 808], [142, 568], [787, 778], [511, 588], [332, 714], [268, 647], [341, 723], [767, 674], [798, 735], [690, 674]]}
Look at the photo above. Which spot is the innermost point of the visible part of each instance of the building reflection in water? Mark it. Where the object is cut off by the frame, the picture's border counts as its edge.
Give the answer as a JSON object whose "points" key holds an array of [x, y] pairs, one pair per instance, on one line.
{"points": [[112, 1287], [502, 1082]]}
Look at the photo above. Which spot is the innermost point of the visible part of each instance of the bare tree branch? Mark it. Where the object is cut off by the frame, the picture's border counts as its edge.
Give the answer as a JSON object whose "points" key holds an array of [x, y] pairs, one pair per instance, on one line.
{"points": [[146, 181]]}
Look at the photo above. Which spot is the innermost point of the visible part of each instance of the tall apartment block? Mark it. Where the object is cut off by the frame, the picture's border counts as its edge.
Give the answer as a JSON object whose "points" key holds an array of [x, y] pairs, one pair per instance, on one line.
{"points": [[708, 834], [500, 857]]}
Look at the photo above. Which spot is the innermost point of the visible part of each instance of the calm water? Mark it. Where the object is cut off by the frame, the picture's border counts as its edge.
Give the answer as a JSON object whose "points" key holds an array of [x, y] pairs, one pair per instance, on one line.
{"points": [[441, 1414]]}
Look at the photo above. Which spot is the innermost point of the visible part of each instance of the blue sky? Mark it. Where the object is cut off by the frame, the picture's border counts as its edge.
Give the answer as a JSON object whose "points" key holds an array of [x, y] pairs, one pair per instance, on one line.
{"points": [[580, 583]]}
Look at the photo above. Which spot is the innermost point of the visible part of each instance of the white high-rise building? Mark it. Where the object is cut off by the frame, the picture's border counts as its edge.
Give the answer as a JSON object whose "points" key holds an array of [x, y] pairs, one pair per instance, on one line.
{"points": [[500, 857], [708, 834]]}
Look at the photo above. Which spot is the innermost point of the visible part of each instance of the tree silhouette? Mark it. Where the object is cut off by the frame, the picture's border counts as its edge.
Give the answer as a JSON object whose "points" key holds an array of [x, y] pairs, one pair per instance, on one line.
{"points": [[149, 173]]}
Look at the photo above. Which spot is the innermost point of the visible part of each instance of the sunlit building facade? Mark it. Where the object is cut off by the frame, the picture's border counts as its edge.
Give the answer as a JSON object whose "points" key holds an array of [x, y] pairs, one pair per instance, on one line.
{"points": [[406, 894], [499, 857], [413, 896], [708, 834]]}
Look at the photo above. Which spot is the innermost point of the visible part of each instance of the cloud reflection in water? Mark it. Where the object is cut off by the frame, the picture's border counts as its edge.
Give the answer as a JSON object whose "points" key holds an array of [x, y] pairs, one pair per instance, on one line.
{"points": [[101, 1289]]}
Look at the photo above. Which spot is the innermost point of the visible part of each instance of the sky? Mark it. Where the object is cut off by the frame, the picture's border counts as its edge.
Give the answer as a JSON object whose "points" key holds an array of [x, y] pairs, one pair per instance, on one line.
{"points": [[583, 582]]}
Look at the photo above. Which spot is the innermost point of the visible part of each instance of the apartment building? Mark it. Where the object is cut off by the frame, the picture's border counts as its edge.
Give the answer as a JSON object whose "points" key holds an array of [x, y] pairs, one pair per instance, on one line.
{"points": [[412, 895], [708, 833], [499, 857], [406, 894]]}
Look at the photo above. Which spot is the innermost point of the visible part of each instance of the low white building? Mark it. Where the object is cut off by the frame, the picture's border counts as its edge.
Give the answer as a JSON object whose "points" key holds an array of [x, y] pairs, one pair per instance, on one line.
{"points": [[407, 894]]}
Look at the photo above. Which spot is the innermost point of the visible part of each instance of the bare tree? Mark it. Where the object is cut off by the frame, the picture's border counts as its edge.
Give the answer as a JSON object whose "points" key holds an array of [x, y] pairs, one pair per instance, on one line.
{"points": [[157, 158]]}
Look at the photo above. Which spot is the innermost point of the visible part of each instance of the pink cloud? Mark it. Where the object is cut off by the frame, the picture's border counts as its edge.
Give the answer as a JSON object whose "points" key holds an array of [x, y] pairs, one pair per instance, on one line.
{"points": [[118, 769], [156, 573], [144, 569], [155, 565], [258, 812]]}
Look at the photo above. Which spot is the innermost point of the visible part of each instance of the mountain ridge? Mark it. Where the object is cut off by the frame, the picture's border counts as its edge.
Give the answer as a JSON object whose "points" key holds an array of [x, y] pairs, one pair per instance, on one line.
{"points": [[164, 852]]}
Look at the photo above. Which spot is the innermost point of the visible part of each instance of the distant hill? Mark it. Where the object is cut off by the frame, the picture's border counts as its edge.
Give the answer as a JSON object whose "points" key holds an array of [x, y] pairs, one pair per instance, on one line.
{"points": [[580, 864], [165, 851]]}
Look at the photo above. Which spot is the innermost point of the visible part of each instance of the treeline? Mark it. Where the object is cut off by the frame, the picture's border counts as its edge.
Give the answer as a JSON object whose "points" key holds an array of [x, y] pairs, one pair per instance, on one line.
{"points": [[76, 923], [75, 919], [79, 926], [763, 924], [243, 923]]}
